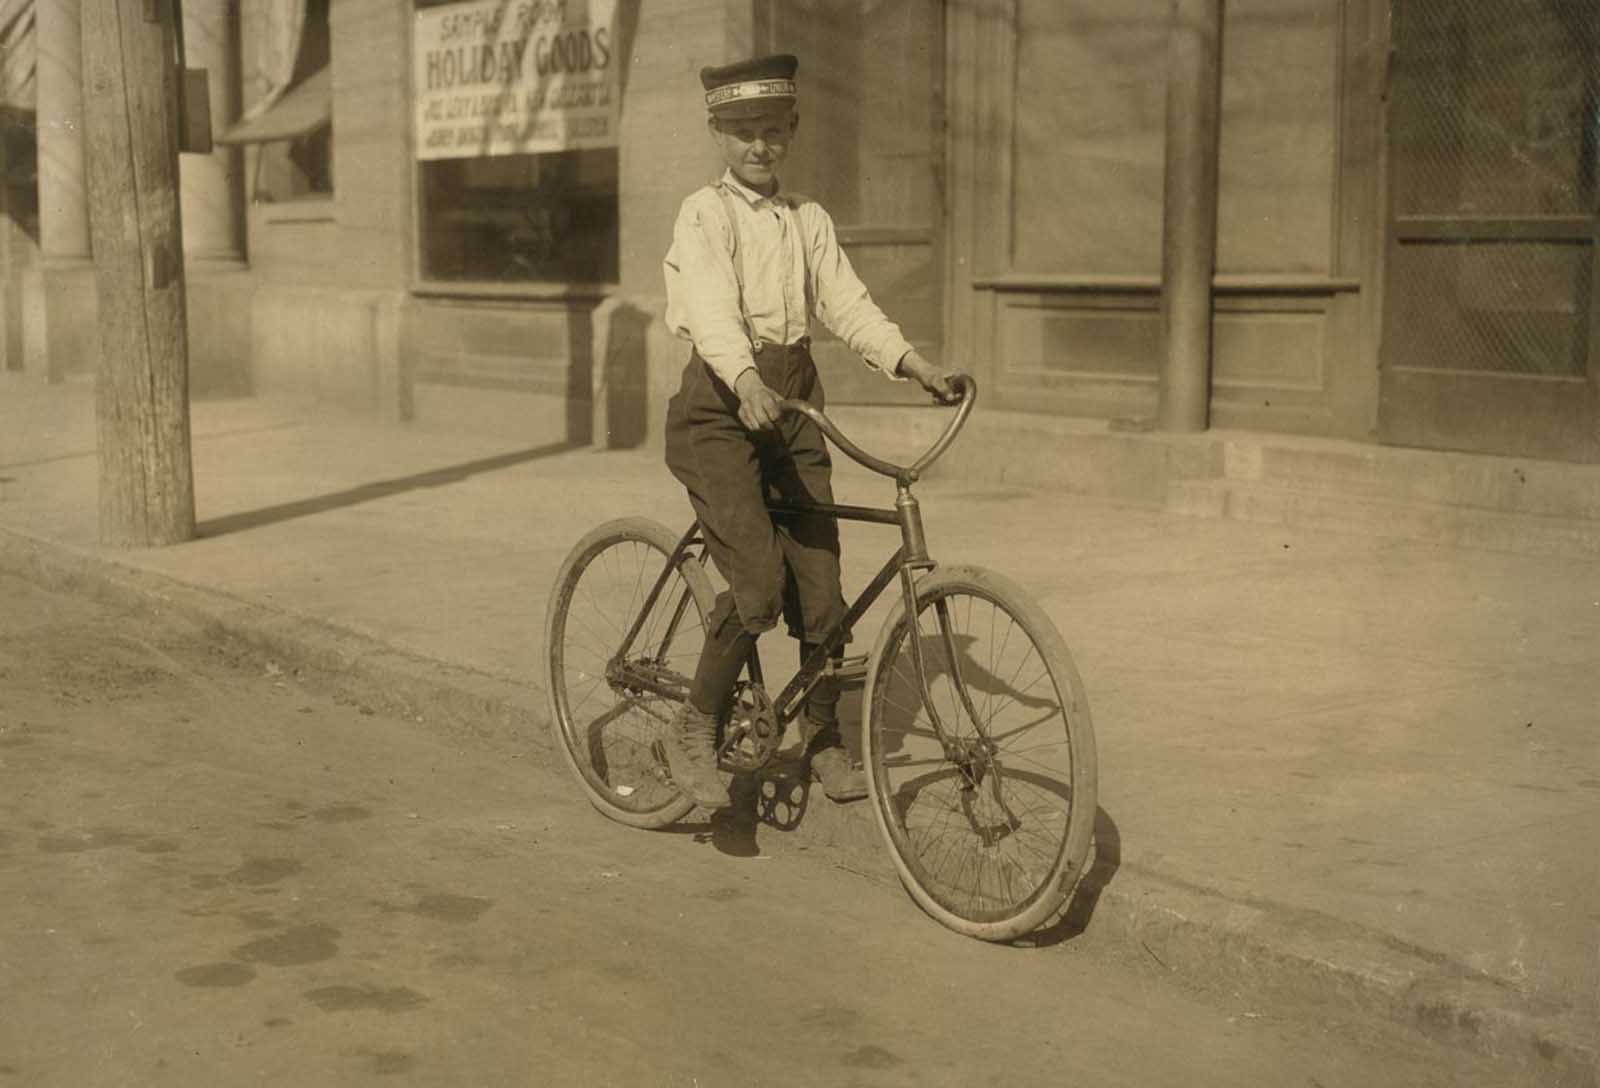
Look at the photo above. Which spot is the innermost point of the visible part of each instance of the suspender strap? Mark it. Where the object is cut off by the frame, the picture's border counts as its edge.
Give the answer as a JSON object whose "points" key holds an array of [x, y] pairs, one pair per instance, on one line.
{"points": [[738, 266]]}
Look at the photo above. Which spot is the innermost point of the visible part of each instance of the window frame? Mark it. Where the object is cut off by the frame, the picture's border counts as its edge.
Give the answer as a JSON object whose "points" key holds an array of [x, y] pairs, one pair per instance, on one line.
{"points": [[422, 285]]}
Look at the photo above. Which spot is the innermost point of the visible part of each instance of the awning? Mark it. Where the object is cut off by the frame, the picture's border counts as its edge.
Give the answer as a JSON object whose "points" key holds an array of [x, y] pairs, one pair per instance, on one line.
{"points": [[305, 107], [18, 56]]}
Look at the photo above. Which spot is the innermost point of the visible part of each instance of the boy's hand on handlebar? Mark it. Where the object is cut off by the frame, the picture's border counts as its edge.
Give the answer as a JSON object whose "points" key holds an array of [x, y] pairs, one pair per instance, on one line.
{"points": [[759, 407], [937, 380]]}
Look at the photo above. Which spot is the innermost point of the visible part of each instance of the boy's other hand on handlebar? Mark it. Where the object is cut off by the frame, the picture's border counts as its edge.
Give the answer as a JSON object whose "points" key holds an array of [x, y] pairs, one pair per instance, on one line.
{"points": [[939, 381], [759, 407]]}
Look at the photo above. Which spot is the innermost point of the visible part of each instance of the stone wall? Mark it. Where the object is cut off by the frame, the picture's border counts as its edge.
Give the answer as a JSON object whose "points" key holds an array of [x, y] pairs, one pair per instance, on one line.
{"points": [[331, 274]]}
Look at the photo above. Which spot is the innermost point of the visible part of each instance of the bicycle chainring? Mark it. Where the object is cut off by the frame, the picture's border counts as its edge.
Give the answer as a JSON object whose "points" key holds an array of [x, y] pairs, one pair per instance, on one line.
{"points": [[753, 733]]}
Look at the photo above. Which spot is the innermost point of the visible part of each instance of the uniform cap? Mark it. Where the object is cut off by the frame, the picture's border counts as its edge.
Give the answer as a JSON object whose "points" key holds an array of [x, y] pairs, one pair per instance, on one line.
{"points": [[750, 84]]}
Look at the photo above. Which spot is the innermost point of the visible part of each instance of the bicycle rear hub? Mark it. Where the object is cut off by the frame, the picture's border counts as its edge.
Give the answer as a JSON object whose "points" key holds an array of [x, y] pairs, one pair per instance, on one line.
{"points": [[644, 676]]}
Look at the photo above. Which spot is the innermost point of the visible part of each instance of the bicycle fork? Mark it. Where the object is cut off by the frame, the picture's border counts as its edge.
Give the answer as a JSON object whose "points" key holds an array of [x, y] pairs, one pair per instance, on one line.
{"points": [[975, 758], [955, 749]]}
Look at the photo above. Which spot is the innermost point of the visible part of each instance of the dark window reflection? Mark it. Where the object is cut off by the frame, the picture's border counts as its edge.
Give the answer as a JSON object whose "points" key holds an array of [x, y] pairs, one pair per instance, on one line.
{"points": [[520, 218], [296, 169]]}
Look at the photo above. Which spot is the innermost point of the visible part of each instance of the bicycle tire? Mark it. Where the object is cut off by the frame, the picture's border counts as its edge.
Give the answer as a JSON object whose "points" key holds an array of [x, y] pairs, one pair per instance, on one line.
{"points": [[609, 737], [1041, 816]]}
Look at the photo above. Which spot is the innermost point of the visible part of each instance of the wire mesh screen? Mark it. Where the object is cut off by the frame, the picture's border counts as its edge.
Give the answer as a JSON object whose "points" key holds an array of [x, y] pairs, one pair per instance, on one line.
{"points": [[1494, 123], [1498, 306]]}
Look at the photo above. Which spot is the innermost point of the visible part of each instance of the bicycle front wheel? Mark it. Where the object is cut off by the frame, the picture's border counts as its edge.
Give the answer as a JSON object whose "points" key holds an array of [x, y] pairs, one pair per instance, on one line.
{"points": [[610, 729], [990, 825]]}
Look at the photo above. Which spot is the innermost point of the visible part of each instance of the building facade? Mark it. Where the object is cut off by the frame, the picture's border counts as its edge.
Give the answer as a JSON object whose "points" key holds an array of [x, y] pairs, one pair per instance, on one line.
{"points": [[457, 211]]}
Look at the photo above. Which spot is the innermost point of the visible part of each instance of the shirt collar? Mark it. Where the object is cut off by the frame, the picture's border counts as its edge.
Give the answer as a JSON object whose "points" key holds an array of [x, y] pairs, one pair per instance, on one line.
{"points": [[749, 195]]}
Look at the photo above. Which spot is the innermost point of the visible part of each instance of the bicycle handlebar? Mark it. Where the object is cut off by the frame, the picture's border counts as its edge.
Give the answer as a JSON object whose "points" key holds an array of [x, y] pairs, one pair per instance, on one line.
{"points": [[903, 474]]}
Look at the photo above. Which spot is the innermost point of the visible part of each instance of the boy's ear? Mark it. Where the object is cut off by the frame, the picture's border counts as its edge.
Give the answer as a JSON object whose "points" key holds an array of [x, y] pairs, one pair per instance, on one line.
{"points": [[711, 124]]}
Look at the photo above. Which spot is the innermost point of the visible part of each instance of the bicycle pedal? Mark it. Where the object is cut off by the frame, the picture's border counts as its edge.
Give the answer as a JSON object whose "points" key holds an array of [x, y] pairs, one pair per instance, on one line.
{"points": [[851, 672]]}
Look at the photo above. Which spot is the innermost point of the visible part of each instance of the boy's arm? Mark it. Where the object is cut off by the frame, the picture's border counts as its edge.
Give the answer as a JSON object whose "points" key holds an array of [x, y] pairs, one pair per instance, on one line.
{"points": [[845, 306], [702, 292], [841, 300]]}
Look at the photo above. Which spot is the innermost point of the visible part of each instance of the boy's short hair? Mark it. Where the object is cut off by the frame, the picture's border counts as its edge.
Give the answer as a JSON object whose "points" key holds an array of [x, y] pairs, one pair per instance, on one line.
{"points": [[750, 86]]}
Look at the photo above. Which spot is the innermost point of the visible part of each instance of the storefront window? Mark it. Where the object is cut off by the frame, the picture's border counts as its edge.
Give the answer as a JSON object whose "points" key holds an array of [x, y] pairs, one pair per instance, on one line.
{"points": [[515, 126], [520, 218], [1090, 117], [1280, 112]]}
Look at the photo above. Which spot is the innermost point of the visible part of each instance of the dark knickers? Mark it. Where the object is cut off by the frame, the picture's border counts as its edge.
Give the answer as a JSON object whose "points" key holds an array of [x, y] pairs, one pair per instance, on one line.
{"points": [[787, 566]]}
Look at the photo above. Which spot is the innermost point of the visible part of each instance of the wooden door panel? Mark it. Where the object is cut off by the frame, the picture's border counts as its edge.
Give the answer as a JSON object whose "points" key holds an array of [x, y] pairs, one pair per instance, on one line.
{"points": [[870, 150], [1489, 339]]}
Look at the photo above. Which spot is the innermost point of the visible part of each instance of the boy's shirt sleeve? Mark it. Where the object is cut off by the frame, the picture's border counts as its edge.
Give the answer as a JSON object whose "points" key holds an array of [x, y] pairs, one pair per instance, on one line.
{"points": [[702, 293], [842, 302]]}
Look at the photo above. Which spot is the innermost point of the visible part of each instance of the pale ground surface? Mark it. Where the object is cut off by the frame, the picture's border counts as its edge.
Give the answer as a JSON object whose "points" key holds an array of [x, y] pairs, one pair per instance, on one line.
{"points": [[216, 877], [1397, 735]]}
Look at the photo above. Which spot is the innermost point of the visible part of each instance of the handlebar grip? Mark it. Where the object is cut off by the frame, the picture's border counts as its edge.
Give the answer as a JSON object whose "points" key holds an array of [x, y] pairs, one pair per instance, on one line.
{"points": [[904, 474], [968, 387]]}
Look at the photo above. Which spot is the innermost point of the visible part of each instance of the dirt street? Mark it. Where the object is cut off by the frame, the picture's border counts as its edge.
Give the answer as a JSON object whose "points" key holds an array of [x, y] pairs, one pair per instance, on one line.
{"points": [[214, 876]]}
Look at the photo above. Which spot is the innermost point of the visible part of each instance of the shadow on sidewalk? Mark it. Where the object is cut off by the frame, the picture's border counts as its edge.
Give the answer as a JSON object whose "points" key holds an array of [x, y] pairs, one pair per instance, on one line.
{"points": [[380, 489], [1107, 860], [779, 795]]}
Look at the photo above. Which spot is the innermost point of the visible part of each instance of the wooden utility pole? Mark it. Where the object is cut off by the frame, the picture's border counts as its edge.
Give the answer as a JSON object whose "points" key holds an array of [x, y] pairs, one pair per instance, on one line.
{"points": [[130, 78]]}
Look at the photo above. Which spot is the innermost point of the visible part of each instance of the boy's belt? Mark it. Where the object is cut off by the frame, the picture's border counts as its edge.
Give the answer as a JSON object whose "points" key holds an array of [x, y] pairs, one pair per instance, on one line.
{"points": [[758, 345]]}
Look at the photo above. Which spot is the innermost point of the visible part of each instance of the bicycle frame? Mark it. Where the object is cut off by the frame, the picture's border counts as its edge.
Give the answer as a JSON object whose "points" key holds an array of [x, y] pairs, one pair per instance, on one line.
{"points": [[910, 558]]}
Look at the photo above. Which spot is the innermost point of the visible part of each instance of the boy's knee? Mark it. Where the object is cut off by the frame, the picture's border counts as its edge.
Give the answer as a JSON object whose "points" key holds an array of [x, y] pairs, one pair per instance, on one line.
{"points": [[762, 613], [760, 599]]}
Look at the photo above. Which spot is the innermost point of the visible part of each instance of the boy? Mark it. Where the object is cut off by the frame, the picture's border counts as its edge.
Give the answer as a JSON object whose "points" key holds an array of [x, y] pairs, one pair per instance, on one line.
{"points": [[748, 267]]}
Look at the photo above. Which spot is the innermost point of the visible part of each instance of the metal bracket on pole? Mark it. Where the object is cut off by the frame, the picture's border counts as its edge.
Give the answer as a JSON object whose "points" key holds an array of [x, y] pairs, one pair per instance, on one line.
{"points": [[194, 94]]}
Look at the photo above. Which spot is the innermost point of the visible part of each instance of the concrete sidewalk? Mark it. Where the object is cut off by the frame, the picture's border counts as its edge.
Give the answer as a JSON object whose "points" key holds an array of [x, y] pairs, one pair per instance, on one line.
{"points": [[1360, 768]]}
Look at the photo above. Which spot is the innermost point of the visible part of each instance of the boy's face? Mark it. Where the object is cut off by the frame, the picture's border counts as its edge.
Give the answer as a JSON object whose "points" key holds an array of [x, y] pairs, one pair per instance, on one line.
{"points": [[754, 144]]}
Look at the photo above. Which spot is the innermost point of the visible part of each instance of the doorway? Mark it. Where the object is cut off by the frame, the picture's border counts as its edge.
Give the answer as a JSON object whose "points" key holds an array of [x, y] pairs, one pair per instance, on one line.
{"points": [[1490, 304]]}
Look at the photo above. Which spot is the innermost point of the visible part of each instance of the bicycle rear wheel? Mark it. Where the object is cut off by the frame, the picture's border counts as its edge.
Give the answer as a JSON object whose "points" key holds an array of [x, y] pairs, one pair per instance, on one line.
{"points": [[608, 731], [991, 832]]}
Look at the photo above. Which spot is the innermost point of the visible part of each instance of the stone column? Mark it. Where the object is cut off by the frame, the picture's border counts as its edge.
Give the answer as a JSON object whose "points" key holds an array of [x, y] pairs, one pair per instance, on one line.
{"points": [[63, 195], [69, 341], [10, 277], [212, 186], [211, 195], [1189, 231]]}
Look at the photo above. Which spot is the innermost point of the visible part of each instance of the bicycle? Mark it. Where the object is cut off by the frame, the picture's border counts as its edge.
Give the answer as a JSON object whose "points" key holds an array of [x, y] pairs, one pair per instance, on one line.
{"points": [[989, 822]]}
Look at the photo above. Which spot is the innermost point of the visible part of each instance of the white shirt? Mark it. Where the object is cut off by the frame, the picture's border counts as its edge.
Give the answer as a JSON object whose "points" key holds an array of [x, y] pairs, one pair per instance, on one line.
{"points": [[793, 269]]}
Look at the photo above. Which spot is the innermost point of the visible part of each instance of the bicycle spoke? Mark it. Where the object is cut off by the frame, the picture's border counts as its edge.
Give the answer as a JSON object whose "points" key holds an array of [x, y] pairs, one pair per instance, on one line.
{"points": [[1012, 735], [611, 732], [1008, 689], [982, 828]]}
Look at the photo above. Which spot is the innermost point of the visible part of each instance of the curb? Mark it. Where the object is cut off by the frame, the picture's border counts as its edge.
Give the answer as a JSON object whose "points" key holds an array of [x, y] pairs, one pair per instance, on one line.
{"points": [[1268, 950], [1263, 951], [449, 698]]}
